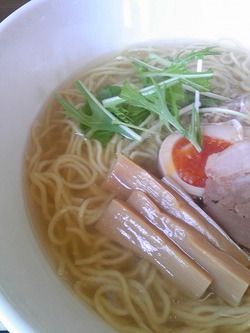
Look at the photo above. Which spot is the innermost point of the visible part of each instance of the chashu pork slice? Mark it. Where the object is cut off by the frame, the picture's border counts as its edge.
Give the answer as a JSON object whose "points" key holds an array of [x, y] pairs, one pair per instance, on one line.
{"points": [[235, 160], [227, 191]]}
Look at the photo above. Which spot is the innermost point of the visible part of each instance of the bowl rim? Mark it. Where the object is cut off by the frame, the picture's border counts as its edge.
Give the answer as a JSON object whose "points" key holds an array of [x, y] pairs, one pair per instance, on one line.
{"points": [[17, 295]]}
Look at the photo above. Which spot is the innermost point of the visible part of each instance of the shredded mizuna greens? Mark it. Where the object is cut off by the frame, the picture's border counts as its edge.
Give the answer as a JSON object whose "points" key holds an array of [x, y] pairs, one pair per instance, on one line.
{"points": [[168, 87]]}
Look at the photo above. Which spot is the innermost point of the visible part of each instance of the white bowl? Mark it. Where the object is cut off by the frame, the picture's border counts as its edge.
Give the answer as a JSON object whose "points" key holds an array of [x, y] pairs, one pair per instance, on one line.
{"points": [[41, 45]]}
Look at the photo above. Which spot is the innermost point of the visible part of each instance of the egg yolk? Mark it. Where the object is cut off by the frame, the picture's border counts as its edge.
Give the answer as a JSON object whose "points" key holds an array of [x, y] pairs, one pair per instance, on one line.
{"points": [[190, 164]]}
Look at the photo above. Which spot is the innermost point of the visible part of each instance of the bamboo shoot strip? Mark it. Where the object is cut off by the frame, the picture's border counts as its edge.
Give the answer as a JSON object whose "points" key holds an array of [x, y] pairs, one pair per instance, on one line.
{"points": [[120, 223], [127, 175], [230, 278]]}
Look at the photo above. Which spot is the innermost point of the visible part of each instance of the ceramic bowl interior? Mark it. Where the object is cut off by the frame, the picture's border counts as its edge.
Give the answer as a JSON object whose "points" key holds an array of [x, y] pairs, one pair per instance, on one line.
{"points": [[42, 45]]}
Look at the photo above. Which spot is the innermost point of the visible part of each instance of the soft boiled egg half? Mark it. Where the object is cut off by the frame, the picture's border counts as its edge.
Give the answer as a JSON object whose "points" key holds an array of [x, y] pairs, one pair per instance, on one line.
{"points": [[179, 159]]}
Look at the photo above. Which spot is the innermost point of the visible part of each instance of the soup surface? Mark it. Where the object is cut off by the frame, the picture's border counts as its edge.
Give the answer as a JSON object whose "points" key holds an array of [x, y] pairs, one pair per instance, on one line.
{"points": [[65, 170]]}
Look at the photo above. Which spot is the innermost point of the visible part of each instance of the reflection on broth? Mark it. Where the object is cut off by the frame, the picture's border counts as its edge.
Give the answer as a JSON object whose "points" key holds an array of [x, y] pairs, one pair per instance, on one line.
{"points": [[65, 174]]}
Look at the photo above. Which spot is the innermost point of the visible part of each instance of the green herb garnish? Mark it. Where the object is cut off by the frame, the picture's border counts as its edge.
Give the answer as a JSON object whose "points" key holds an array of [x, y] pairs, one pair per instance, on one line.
{"points": [[170, 89], [99, 121]]}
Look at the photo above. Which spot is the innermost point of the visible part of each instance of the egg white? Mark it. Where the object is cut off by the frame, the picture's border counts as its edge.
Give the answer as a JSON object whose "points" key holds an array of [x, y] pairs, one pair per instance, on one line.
{"points": [[231, 131]]}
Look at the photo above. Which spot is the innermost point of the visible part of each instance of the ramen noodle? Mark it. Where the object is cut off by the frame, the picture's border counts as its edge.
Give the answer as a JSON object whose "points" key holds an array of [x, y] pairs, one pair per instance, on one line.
{"points": [[65, 171]]}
